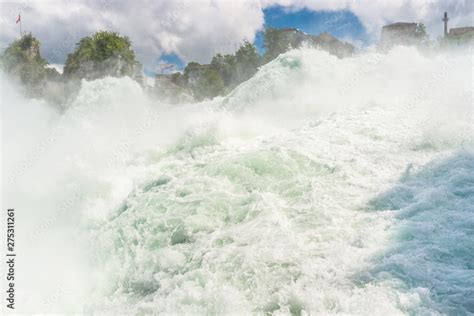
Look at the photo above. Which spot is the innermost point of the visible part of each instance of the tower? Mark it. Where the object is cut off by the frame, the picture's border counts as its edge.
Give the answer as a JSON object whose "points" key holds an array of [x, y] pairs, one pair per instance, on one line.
{"points": [[445, 20]]}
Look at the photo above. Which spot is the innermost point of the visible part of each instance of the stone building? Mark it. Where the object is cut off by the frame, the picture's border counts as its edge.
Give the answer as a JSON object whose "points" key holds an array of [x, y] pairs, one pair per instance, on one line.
{"points": [[459, 35], [400, 33], [292, 37], [329, 43], [460, 32]]}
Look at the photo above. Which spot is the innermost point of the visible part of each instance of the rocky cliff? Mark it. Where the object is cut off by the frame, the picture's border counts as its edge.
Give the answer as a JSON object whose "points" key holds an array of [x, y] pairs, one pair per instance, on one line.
{"points": [[23, 62]]}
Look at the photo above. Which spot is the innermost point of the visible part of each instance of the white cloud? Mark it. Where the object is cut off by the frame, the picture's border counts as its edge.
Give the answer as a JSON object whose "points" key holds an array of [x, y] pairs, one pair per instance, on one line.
{"points": [[196, 30]]}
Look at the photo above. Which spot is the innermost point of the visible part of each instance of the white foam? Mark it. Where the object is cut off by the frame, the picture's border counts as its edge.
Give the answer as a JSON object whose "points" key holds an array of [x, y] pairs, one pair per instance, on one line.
{"points": [[256, 202]]}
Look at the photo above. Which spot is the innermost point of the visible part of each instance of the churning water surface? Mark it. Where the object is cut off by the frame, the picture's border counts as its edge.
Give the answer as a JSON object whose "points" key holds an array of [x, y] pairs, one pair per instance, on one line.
{"points": [[320, 185]]}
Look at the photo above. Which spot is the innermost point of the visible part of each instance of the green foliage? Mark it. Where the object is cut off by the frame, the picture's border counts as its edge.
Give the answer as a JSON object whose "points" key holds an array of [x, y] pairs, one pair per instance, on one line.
{"points": [[209, 85], [22, 58], [247, 61], [178, 79], [276, 43], [234, 69], [421, 34], [225, 66], [421, 31], [223, 74], [100, 47], [191, 65]]}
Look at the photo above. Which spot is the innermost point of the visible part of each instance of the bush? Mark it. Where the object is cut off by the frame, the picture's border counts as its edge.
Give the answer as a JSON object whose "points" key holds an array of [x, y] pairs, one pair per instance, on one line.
{"points": [[106, 53], [276, 43], [247, 61], [223, 74], [225, 66], [22, 58], [209, 85]]}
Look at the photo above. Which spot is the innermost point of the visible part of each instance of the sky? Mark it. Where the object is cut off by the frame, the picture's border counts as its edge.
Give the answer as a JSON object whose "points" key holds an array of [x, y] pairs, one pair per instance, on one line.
{"points": [[180, 31]]}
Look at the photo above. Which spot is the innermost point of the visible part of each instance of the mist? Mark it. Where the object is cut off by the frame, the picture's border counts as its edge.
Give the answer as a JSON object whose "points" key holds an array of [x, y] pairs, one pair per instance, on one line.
{"points": [[261, 201]]}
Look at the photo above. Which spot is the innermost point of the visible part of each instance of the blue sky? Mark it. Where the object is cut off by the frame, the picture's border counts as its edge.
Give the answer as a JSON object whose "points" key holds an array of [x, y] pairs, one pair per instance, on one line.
{"points": [[164, 61], [342, 24]]}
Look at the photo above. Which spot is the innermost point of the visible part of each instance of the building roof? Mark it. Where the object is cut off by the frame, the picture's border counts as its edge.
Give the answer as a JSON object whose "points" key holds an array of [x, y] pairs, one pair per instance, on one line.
{"points": [[325, 36], [400, 24], [288, 29], [461, 30]]}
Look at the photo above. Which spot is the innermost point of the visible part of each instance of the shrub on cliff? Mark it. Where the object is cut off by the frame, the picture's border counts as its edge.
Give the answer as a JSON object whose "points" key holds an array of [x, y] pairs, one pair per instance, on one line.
{"points": [[22, 59], [102, 54], [203, 81]]}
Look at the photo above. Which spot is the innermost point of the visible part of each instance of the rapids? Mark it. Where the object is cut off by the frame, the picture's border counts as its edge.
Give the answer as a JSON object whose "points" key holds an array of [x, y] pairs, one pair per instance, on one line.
{"points": [[320, 185]]}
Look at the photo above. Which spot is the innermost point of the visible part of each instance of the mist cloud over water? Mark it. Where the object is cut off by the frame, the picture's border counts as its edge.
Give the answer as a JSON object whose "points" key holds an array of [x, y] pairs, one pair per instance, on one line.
{"points": [[320, 185]]}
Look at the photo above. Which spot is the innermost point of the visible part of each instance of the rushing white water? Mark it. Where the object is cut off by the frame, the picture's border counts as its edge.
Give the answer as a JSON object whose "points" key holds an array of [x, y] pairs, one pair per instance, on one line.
{"points": [[321, 185]]}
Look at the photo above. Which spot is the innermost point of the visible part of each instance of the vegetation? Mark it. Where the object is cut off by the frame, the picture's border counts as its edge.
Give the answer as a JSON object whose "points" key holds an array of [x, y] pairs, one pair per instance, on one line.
{"points": [[22, 59], [224, 72], [235, 69], [203, 81], [108, 53], [421, 33], [225, 67], [96, 53], [209, 85], [276, 43], [178, 79], [247, 61]]}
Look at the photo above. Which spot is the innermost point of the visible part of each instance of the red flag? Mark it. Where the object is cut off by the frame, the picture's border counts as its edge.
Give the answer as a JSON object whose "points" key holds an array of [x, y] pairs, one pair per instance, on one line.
{"points": [[18, 19]]}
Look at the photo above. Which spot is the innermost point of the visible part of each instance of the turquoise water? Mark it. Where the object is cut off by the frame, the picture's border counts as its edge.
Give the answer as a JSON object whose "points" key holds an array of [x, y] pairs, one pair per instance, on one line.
{"points": [[318, 186], [432, 245]]}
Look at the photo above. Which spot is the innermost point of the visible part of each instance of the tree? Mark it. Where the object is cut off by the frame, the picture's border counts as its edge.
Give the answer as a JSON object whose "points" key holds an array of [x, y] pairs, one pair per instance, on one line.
{"points": [[421, 31], [276, 43], [247, 61], [209, 85], [23, 59], [225, 66], [178, 79], [224, 72], [189, 67], [103, 53]]}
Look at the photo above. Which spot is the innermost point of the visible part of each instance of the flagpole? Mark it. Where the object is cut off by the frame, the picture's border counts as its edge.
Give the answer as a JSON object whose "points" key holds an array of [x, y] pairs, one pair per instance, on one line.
{"points": [[19, 15]]}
